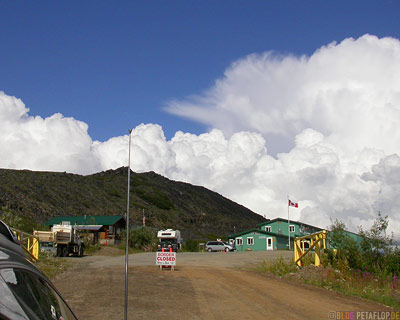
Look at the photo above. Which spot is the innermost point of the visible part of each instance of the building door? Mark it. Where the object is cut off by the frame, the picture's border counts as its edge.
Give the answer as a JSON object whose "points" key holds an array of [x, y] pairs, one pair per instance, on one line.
{"points": [[270, 245]]}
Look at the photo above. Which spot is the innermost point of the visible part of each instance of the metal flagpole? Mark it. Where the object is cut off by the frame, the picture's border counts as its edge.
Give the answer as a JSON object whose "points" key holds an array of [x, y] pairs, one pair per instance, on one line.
{"points": [[127, 229], [288, 220]]}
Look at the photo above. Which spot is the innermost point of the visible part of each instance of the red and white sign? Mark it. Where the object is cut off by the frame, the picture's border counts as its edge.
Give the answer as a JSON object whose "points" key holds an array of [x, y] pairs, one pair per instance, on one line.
{"points": [[166, 258]]}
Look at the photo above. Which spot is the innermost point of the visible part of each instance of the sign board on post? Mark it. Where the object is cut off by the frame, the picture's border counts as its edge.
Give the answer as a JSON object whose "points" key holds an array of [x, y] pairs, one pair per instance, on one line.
{"points": [[166, 258]]}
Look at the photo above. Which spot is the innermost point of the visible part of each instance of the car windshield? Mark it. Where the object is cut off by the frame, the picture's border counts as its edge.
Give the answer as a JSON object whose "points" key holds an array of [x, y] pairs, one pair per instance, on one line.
{"points": [[168, 241]]}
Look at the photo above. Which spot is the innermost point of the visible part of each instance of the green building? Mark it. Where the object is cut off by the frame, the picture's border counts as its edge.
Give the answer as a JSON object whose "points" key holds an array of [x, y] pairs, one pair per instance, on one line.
{"points": [[259, 240], [280, 226], [274, 235]]}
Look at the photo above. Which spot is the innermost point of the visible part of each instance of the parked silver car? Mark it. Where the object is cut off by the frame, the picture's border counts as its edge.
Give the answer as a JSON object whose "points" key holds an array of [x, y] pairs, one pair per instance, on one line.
{"points": [[219, 246]]}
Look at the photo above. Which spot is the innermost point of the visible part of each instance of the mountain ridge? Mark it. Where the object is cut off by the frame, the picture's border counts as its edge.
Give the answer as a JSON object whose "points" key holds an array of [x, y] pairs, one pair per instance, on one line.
{"points": [[195, 210]]}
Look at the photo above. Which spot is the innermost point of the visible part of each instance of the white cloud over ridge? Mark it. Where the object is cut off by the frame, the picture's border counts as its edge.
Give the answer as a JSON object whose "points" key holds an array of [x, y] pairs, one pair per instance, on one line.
{"points": [[354, 83], [339, 108]]}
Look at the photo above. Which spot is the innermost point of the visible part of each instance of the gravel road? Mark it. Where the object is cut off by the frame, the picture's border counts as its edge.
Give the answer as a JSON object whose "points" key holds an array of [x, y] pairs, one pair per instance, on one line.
{"points": [[206, 259], [203, 286]]}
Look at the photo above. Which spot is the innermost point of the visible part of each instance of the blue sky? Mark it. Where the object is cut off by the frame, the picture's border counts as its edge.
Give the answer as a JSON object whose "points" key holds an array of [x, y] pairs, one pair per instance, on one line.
{"points": [[276, 98], [116, 64]]}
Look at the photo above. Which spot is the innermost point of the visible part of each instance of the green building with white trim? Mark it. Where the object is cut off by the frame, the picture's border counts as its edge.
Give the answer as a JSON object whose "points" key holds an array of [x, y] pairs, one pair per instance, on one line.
{"points": [[259, 240], [274, 235], [271, 235]]}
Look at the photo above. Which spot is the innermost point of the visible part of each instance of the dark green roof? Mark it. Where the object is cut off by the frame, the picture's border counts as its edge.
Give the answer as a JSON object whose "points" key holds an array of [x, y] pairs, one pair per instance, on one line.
{"points": [[86, 220], [266, 223]]}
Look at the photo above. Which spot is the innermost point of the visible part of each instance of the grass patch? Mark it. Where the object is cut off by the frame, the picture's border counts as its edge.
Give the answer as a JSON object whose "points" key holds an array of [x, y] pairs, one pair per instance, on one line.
{"points": [[110, 251], [131, 250], [385, 290], [92, 249], [278, 267], [52, 266], [355, 283]]}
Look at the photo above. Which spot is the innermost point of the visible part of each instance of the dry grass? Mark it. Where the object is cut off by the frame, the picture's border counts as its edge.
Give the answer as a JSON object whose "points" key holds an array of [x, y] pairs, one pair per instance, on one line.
{"points": [[52, 266], [353, 282], [109, 251]]}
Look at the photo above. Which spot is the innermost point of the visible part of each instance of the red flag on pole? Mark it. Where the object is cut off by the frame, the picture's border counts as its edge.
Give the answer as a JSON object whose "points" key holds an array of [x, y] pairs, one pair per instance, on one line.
{"points": [[293, 204]]}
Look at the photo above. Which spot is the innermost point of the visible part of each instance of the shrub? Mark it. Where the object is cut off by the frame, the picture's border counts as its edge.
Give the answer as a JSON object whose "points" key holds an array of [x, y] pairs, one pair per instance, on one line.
{"points": [[377, 247], [345, 252], [17, 221], [92, 248], [375, 254], [154, 196], [392, 263], [191, 245], [141, 238], [278, 267]]}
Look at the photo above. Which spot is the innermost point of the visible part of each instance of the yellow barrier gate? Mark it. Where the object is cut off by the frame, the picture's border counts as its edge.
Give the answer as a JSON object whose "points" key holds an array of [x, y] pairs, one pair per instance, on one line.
{"points": [[316, 241], [29, 243]]}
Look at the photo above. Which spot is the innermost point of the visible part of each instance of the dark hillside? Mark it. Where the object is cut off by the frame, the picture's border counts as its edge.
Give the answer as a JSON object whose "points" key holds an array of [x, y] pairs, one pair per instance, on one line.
{"points": [[194, 210]]}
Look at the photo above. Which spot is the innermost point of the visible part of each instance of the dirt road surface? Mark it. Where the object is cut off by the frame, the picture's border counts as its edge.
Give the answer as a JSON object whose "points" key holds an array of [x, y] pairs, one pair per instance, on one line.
{"points": [[203, 286]]}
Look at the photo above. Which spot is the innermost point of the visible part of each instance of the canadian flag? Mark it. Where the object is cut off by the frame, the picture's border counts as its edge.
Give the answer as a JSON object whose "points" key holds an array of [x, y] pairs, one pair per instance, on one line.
{"points": [[293, 204]]}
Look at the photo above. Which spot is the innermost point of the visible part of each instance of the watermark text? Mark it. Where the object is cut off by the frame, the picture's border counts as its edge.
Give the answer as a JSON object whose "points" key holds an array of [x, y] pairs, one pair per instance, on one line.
{"points": [[364, 315]]}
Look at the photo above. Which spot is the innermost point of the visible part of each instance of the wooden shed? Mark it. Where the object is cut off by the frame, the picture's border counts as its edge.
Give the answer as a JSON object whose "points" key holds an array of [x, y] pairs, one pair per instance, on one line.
{"points": [[101, 229]]}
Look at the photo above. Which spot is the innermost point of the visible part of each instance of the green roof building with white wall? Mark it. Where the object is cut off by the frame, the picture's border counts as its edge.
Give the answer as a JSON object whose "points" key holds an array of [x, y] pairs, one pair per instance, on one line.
{"points": [[259, 240], [274, 235], [281, 226]]}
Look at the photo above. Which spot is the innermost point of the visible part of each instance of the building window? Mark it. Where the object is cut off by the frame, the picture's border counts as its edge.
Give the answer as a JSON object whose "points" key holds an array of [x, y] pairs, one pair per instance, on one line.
{"points": [[239, 241], [292, 228], [268, 228], [250, 241]]}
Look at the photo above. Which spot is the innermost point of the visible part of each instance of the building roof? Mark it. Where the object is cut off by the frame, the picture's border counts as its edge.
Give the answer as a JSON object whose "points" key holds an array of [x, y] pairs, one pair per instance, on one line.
{"points": [[301, 223], [86, 220], [88, 227], [294, 221], [259, 231]]}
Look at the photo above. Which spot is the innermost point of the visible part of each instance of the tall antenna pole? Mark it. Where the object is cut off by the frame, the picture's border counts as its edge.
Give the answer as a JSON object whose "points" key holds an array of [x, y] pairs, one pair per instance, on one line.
{"points": [[288, 220], [127, 229]]}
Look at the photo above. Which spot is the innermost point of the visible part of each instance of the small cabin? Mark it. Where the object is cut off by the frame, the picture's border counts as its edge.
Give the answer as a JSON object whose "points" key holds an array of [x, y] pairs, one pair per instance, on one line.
{"points": [[99, 229]]}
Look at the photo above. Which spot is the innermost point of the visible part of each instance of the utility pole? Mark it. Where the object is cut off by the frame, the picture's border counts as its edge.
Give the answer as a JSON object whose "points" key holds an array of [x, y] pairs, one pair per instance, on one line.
{"points": [[288, 219], [127, 228]]}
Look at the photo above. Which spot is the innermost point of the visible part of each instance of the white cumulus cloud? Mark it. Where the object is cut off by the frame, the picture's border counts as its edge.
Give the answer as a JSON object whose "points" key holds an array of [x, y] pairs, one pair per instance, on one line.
{"points": [[350, 89], [332, 121], [329, 120], [55, 143]]}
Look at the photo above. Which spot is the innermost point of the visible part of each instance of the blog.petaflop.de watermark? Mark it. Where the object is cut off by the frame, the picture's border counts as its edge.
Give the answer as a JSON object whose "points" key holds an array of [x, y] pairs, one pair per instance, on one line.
{"points": [[364, 315]]}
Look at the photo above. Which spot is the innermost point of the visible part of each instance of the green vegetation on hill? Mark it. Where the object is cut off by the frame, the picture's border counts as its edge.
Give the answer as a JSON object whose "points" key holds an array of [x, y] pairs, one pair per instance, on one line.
{"points": [[196, 211]]}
